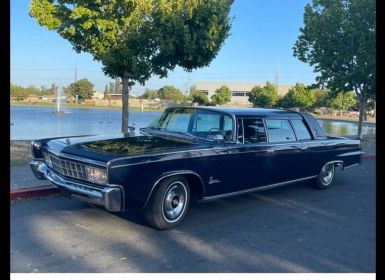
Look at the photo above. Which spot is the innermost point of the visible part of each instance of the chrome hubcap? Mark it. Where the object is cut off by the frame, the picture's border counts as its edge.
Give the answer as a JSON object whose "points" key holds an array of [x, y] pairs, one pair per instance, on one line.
{"points": [[327, 174], [174, 201]]}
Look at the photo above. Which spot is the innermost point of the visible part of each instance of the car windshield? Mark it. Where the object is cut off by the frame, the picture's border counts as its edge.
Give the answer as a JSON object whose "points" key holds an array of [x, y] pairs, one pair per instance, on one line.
{"points": [[204, 124]]}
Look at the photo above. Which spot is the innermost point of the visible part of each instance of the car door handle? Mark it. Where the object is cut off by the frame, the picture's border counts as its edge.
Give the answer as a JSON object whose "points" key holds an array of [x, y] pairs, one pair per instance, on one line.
{"points": [[270, 151], [300, 147]]}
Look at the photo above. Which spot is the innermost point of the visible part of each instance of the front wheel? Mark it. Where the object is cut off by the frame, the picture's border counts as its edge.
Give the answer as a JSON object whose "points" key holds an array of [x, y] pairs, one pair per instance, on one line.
{"points": [[325, 177], [169, 203]]}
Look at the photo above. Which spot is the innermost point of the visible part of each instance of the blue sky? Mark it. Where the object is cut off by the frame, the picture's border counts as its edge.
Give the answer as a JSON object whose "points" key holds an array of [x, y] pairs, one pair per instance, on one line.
{"points": [[261, 41]]}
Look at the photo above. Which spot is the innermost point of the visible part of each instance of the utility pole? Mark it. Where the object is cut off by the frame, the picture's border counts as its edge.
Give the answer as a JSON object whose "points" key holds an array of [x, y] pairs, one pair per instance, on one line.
{"points": [[276, 76], [276, 79]]}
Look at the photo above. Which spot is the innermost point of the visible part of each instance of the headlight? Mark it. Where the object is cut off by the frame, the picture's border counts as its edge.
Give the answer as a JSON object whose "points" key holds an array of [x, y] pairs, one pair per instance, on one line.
{"points": [[96, 175], [47, 159]]}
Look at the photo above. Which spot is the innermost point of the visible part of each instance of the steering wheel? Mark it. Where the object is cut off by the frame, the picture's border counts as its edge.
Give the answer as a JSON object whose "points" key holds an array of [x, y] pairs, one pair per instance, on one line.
{"points": [[219, 130]]}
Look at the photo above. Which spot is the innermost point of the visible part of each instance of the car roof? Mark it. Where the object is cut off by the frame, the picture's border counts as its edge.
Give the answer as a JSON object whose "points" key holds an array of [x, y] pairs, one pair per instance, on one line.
{"points": [[261, 112]]}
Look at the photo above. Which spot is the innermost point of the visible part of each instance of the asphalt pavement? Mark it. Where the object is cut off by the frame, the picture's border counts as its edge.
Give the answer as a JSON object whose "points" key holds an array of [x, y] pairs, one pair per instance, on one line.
{"points": [[294, 228]]}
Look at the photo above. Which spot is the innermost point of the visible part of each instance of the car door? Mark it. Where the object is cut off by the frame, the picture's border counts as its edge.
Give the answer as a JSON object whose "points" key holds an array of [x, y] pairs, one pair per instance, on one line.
{"points": [[251, 164], [289, 156]]}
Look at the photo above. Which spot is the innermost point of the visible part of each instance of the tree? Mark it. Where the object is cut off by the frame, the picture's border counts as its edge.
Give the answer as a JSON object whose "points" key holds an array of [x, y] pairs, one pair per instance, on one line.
{"points": [[135, 39], [150, 94], [320, 96], [118, 86], [18, 92], [266, 96], [339, 40], [53, 90], [222, 95], [298, 96], [106, 91], [170, 93], [199, 97], [341, 101], [83, 88]]}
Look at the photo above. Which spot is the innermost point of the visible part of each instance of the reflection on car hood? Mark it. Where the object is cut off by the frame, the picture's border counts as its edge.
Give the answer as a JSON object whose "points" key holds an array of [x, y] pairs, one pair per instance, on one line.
{"points": [[131, 145]]}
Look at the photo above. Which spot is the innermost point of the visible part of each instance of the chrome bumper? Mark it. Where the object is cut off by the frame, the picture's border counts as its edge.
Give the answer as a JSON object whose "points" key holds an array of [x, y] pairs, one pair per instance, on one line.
{"points": [[111, 197]]}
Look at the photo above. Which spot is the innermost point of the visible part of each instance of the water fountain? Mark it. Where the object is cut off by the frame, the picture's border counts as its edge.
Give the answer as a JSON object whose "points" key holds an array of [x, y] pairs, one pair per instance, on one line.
{"points": [[58, 110]]}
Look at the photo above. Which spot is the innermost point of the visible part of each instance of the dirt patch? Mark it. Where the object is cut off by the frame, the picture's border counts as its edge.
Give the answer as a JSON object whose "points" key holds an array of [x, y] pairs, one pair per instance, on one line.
{"points": [[20, 152]]}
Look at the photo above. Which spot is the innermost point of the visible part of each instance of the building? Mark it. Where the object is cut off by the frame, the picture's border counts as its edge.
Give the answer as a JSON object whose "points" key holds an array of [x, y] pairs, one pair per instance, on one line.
{"points": [[239, 91], [97, 95]]}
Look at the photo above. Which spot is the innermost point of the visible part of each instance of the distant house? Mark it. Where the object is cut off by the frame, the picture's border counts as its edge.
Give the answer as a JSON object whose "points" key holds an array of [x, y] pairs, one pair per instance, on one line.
{"points": [[239, 90], [97, 95]]}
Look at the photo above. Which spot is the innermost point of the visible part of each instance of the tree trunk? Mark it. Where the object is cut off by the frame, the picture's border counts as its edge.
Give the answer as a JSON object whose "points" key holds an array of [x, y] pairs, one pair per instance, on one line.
{"points": [[361, 117], [125, 100]]}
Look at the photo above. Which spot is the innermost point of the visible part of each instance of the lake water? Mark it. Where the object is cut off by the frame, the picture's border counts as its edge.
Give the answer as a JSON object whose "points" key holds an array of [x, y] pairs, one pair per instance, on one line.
{"points": [[32, 122]]}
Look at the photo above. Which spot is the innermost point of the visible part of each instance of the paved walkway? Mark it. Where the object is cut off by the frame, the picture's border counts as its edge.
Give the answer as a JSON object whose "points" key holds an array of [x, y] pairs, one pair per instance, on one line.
{"points": [[22, 177]]}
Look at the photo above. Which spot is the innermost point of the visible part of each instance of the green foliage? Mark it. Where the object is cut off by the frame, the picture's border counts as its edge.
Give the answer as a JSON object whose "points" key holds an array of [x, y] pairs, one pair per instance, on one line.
{"points": [[222, 95], [170, 93], [298, 96], [118, 86], [199, 97], [266, 96], [83, 88], [150, 94], [20, 93], [106, 91], [52, 91], [140, 37], [320, 97], [339, 40], [135, 39], [341, 100]]}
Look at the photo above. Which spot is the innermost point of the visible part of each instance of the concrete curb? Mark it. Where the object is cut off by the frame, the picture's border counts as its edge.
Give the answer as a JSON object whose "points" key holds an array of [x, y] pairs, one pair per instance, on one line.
{"points": [[47, 190], [40, 191]]}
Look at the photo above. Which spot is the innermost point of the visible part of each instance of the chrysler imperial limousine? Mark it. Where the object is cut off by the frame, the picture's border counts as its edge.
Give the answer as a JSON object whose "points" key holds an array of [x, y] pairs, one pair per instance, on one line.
{"points": [[193, 154]]}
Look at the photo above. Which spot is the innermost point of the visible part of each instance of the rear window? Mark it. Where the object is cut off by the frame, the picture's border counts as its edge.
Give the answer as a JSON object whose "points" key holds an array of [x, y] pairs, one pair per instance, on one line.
{"points": [[301, 130], [279, 131]]}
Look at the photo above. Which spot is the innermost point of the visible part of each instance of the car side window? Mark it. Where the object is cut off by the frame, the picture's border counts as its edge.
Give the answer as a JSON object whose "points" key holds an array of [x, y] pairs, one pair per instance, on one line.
{"points": [[254, 130], [279, 130], [301, 130]]}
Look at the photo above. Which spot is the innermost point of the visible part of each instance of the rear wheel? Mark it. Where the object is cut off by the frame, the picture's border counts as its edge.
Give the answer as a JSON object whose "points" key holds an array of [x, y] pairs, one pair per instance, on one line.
{"points": [[169, 203], [325, 177]]}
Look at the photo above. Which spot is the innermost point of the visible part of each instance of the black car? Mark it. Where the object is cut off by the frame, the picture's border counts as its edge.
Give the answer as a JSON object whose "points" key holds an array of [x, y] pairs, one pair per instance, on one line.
{"points": [[190, 154]]}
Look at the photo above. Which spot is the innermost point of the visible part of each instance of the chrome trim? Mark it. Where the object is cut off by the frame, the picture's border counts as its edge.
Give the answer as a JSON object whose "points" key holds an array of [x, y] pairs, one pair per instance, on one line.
{"points": [[355, 153], [266, 187], [334, 161], [292, 127], [352, 165], [210, 149], [181, 172], [169, 202], [110, 196], [32, 149], [189, 151], [265, 126], [81, 159]]}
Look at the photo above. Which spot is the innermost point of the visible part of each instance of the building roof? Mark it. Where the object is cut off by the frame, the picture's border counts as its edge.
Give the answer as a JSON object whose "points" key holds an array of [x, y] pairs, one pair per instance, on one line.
{"points": [[237, 86]]}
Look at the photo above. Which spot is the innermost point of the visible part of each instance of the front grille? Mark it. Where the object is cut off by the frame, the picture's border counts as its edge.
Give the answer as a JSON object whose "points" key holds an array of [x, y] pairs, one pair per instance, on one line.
{"points": [[67, 167]]}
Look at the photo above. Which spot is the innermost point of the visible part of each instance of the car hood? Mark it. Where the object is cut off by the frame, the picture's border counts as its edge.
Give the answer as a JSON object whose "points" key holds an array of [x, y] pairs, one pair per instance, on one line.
{"points": [[107, 147]]}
